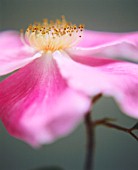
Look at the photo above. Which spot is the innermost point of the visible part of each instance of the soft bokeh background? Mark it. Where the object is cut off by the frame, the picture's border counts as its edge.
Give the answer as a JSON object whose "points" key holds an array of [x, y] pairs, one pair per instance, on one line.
{"points": [[114, 150]]}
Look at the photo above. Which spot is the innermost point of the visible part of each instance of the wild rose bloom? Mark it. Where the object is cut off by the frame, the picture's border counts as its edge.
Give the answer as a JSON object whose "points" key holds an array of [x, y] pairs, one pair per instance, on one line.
{"points": [[61, 68]]}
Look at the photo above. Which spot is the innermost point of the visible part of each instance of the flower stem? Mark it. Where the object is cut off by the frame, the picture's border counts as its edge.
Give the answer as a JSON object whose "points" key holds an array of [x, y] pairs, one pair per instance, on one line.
{"points": [[106, 122], [89, 162]]}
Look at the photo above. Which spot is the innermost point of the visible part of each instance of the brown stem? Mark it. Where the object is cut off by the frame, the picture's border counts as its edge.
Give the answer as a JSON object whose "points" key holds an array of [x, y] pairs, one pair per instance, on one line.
{"points": [[96, 98], [105, 122], [90, 142], [89, 161]]}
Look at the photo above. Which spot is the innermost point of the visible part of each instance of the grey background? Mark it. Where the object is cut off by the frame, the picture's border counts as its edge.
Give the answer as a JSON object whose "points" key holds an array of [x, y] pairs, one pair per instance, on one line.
{"points": [[114, 150]]}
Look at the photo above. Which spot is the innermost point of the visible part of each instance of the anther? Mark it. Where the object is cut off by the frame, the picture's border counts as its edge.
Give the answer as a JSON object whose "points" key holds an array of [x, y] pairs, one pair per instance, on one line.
{"points": [[53, 35]]}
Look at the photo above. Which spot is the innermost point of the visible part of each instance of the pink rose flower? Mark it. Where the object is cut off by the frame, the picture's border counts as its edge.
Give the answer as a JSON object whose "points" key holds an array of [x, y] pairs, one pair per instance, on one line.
{"points": [[60, 68]]}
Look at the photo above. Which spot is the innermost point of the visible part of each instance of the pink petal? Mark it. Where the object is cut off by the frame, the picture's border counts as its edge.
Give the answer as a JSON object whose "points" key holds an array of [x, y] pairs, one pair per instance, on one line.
{"points": [[37, 106], [10, 40], [113, 78], [13, 53], [112, 45]]}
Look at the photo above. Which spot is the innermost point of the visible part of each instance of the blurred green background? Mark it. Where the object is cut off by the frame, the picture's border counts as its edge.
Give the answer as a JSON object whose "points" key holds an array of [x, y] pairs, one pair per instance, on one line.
{"points": [[114, 150]]}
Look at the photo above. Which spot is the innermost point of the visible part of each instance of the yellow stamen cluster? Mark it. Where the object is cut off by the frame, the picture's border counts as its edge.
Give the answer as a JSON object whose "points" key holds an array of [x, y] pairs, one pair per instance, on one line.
{"points": [[52, 36]]}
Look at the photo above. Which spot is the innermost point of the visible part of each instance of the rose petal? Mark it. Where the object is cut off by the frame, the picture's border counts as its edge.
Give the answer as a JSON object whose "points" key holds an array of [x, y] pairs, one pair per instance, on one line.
{"points": [[13, 53], [96, 39], [37, 106], [10, 40], [112, 45], [117, 79]]}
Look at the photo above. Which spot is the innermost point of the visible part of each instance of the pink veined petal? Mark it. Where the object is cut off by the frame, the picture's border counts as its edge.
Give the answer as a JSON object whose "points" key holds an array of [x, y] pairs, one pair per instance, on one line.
{"points": [[13, 53], [114, 78], [37, 106], [96, 38], [111, 45]]}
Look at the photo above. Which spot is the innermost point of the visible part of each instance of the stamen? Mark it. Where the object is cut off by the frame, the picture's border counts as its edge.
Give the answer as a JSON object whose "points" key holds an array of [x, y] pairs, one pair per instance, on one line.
{"points": [[52, 36]]}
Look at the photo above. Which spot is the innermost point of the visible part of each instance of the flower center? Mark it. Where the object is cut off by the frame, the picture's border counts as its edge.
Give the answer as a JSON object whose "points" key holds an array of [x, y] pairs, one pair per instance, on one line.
{"points": [[52, 36]]}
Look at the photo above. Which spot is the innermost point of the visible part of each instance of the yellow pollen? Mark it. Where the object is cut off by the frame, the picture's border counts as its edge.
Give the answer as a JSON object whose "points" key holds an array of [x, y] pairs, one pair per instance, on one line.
{"points": [[53, 35]]}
